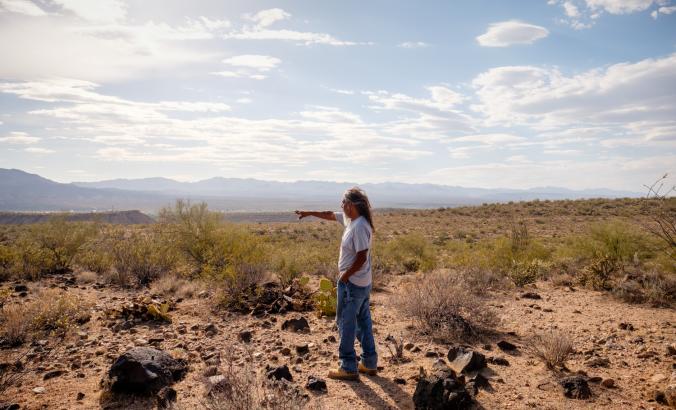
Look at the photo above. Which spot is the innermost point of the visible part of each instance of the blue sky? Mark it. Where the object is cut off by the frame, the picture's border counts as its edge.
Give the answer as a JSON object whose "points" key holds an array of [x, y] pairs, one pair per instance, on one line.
{"points": [[577, 93]]}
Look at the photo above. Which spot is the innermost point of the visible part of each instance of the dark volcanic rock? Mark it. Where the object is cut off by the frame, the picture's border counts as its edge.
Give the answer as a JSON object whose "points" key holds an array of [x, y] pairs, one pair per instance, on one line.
{"points": [[296, 325], [144, 369], [506, 346], [440, 391], [278, 373], [165, 397], [9, 406], [575, 387], [530, 295], [53, 374], [20, 288], [463, 360], [303, 349], [245, 336], [316, 384], [500, 361], [598, 362]]}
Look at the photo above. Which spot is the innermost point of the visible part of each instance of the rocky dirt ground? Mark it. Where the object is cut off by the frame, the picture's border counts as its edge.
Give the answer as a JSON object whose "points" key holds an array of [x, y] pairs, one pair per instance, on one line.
{"points": [[628, 344]]}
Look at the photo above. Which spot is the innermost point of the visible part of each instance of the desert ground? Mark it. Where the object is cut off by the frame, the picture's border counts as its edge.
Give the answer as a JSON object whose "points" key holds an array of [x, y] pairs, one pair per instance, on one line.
{"points": [[577, 289]]}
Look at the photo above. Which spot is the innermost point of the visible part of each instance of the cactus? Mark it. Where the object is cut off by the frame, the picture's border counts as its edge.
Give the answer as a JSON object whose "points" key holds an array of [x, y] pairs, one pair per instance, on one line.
{"points": [[325, 298]]}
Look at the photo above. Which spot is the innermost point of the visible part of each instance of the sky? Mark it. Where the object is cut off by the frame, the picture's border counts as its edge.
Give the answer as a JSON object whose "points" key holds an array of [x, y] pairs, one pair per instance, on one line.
{"points": [[511, 94]]}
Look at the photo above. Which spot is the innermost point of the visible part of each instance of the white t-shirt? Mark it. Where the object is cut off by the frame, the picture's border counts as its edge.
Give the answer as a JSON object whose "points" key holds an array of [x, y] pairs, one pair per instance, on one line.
{"points": [[356, 238]]}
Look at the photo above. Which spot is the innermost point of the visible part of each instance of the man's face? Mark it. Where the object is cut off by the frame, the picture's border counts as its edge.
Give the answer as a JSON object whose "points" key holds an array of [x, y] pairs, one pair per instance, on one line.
{"points": [[347, 207]]}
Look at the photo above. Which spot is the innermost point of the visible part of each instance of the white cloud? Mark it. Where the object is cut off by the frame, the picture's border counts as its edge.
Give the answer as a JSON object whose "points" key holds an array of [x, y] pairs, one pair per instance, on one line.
{"points": [[161, 131], [490, 139], [632, 100], [96, 11], [413, 44], [663, 10], [571, 9], [267, 17], [249, 66], [442, 99], [620, 6], [582, 14], [299, 37], [22, 7], [38, 150], [507, 33], [18, 137], [257, 62], [98, 52]]}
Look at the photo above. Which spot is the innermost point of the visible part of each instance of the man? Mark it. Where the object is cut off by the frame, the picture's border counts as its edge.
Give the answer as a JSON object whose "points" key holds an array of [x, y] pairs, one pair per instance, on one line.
{"points": [[353, 314]]}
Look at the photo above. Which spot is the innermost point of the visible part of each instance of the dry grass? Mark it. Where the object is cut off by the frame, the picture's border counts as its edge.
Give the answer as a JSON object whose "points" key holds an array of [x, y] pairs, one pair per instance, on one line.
{"points": [[86, 277], [244, 388], [176, 286], [444, 308], [52, 312], [553, 348]]}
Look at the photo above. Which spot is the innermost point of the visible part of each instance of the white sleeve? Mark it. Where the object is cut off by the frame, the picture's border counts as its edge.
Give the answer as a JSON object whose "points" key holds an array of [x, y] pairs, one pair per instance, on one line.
{"points": [[361, 237], [340, 218]]}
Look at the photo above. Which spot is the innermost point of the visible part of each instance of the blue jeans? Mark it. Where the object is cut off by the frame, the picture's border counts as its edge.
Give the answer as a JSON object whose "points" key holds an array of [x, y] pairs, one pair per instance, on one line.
{"points": [[353, 317]]}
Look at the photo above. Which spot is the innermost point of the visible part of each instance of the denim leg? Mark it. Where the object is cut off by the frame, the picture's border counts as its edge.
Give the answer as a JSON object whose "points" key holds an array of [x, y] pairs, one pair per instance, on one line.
{"points": [[369, 356], [347, 323]]}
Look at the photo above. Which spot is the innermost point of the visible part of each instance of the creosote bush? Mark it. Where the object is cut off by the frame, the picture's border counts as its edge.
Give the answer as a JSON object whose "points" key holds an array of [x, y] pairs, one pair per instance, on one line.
{"points": [[410, 252], [444, 308], [140, 257]]}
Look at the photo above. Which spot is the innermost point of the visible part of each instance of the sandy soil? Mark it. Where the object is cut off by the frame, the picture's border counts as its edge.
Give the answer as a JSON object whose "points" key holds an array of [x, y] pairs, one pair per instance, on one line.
{"points": [[592, 319]]}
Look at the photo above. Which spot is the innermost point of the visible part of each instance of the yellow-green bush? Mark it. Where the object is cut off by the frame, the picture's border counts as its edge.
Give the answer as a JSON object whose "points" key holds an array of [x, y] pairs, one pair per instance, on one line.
{"points": [[410, 252], [194, 230], [140, 257], [59, 241], [7, 260], [614, 240]]}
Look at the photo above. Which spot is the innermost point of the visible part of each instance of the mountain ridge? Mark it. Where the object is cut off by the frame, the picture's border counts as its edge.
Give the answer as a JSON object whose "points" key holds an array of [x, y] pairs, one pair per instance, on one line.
{"points": [[23, 191]]}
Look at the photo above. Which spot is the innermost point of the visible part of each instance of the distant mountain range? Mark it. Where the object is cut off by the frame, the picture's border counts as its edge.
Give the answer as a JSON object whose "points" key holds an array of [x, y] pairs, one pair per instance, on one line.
{"points": [[21, 191]]}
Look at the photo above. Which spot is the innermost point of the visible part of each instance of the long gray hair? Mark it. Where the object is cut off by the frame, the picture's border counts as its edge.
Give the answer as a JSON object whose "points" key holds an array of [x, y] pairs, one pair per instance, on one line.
{"points": [[358, 197]]}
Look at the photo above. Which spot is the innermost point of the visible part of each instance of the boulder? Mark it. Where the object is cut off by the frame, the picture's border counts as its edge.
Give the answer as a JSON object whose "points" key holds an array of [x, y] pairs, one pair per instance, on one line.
{"points": [[296, 325], [278, 373], [316, 384], [463, 360], [442, 390], [505, 346], [144, 370], [165, 397], [530, 295], [575, 387], [245, 336]]}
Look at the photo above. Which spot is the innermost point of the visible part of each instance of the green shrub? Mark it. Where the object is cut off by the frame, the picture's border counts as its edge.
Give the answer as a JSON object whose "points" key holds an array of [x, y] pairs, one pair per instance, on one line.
{"points": [[614, 240], [7, 261], [95, 259], [194, 230], [140, 257], [598, 274], [410, 252], [59, 241], [524, 273]]}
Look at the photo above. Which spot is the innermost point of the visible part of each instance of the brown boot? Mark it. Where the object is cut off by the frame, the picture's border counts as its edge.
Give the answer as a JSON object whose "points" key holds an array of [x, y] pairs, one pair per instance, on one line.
{"points": [[366, 370], [340, 374]]}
